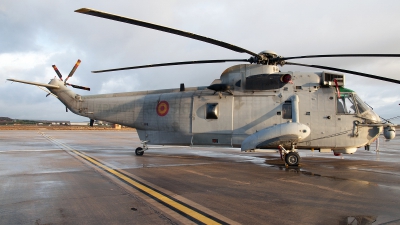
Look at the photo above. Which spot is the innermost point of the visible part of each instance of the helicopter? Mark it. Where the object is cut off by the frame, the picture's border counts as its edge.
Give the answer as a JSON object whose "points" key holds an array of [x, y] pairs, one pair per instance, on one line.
{"points": [[253, 105]]}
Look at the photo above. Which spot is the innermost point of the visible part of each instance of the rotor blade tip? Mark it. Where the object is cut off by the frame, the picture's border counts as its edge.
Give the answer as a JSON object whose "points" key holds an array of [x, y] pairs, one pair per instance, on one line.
{"points": [[82, 10]]}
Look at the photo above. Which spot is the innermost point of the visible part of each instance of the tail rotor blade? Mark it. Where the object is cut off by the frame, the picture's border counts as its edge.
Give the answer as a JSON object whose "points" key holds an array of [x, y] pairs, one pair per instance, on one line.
{"points": [[57, 71], [78, 87], [73, 70]]}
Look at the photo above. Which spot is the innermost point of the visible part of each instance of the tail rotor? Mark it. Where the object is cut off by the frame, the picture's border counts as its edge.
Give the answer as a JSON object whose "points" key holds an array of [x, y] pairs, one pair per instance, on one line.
{"points": [[70, 75]]}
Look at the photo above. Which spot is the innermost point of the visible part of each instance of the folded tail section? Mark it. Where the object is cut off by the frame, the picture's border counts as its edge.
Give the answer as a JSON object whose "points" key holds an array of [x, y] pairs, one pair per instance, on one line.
{"points": [[58, 88]]}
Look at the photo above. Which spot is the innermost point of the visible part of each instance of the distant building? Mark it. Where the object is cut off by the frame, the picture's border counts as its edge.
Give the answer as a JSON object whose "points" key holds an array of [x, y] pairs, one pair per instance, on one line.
{"points": [[9, 121], [79, 123], [52, 122]]}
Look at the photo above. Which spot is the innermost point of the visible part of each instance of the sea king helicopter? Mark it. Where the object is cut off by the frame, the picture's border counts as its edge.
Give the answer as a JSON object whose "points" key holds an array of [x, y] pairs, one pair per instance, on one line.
{"points": [[252, 105]]}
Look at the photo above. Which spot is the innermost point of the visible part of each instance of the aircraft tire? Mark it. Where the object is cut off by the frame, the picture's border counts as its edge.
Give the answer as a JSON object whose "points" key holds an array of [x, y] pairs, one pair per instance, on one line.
{"points": [[139, 151], [292, 159]]}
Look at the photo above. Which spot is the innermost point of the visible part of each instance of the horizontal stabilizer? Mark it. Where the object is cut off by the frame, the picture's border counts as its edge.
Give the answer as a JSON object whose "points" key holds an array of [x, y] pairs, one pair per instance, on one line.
{"points": [[34, 83]]}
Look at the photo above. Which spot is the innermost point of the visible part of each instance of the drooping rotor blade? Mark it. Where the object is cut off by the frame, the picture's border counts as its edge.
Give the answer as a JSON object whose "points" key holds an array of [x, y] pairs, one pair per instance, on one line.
{"points": [[79, 87], [110, 16], [173, 64], [340, 55], [73, 70], [58, 72], [34, 83], [346, 71]]}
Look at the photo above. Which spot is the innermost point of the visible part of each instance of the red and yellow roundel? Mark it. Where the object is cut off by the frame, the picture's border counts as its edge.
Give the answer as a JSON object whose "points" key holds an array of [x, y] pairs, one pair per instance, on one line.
{"points": [[162, 108]]}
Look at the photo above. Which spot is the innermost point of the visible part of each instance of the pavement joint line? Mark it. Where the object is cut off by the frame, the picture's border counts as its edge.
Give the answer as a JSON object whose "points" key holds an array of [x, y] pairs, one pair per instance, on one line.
{"points": [[178, 206]]}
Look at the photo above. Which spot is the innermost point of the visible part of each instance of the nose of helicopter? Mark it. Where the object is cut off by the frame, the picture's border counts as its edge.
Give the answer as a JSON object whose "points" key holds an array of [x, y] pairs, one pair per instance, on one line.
{"points": [[371, 117]]}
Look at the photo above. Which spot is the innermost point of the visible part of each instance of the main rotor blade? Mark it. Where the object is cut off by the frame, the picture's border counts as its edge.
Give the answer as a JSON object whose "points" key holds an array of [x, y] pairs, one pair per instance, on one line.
{"points": [[346, 71], [73, 70], [173, 64], [340, 55], [79, 87], [110, 16]]}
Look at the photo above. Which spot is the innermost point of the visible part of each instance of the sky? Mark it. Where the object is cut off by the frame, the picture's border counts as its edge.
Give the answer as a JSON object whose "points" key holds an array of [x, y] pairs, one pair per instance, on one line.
{"points": [[37, 34]]}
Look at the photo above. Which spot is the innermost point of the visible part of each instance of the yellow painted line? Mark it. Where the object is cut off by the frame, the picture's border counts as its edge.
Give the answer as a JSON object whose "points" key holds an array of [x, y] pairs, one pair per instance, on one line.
{"points": [[159, 196], [153, 193]]}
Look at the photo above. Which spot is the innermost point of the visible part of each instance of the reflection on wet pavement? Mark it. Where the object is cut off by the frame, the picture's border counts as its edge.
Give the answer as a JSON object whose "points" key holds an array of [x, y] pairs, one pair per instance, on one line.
{"points": [[39, 179]]}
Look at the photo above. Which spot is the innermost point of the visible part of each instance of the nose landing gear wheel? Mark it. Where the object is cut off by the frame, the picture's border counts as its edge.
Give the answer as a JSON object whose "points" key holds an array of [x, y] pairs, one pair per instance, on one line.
{"points": [[139, 151], [292, 159]]}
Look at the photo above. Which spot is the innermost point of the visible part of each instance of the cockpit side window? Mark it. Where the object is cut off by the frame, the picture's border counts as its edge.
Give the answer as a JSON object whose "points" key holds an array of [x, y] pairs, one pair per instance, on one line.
{"points": [[345, 104]]}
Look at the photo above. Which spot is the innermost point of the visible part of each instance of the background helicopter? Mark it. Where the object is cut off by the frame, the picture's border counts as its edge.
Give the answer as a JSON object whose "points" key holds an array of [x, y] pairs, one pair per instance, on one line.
{"points": [[257, 105]]}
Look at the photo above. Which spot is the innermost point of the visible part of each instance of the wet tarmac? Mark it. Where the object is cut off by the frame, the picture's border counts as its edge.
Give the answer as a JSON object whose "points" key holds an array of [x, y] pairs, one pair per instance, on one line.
{"points": [[94, 177]]}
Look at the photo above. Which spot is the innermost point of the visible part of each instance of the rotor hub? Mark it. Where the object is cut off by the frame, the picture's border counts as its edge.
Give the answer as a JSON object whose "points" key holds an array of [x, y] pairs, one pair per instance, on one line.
{"points": [[269, 54], [267, 57]]}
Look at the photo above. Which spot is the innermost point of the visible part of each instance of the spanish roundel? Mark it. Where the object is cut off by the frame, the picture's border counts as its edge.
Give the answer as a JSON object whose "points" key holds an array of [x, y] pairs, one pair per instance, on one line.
{"points": [[162, 108]]}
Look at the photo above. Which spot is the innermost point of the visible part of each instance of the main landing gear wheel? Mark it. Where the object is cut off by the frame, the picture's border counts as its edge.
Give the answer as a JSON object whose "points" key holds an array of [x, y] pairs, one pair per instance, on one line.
{"points": [[139, 151], [292, 159]]}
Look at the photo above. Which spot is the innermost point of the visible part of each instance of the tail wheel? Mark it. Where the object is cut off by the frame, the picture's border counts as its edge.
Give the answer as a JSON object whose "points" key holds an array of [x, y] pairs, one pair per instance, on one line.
{"points": [[139, 151], [292, 159]]}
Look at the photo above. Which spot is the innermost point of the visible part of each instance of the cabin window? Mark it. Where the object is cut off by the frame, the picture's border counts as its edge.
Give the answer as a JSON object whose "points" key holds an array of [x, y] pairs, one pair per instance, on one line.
{"points": [[287, 111], [212, 111], [345, 104]]}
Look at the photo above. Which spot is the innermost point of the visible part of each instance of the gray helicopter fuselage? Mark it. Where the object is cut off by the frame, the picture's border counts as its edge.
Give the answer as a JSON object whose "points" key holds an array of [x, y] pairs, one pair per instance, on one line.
{"points": [[257, 99]]}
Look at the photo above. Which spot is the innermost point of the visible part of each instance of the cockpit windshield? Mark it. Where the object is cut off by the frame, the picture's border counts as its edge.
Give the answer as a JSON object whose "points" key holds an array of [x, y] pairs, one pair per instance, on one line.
{"points": [[349, 103], [362, 107]]}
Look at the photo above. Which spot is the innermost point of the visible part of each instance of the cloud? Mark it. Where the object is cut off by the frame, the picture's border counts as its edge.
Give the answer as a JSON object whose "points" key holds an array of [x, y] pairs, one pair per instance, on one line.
{"points": [[41, 34], [17, 64], [121, 84]]}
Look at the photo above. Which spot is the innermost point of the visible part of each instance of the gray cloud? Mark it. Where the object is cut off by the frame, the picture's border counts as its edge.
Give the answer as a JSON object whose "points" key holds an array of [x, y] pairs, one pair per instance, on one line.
{"points": [[54, 34]]}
